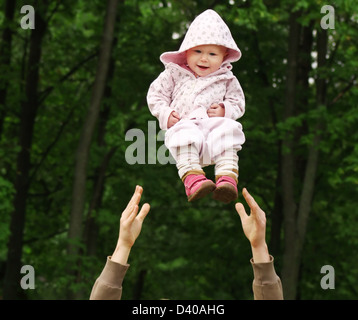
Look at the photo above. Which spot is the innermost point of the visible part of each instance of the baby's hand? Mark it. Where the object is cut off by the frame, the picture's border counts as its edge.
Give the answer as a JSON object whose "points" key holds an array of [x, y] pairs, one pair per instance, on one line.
{"points": [[173, 119], [216, 110]]}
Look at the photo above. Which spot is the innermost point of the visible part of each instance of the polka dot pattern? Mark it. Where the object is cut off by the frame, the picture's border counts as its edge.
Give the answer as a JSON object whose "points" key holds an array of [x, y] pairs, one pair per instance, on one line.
{"points": [[207, 28]]}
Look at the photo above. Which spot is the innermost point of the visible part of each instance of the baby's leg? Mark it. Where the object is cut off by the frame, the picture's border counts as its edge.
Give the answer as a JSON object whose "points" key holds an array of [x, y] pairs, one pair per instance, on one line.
{"points": [[225, 140], [226, 177], [227, 164], [196, 184], [187, 161], [185, 140]]}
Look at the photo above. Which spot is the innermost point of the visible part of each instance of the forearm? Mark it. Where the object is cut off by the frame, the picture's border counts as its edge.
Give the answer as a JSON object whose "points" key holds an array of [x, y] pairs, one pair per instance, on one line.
{"points": [[260, 253], [234, 100], [121, 254], [159, 98]]}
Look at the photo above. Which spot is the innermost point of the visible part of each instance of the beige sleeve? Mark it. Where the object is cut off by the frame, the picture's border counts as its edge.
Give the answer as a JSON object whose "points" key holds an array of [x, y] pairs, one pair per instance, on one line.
{"points": [[267, 284], [108, 286]]}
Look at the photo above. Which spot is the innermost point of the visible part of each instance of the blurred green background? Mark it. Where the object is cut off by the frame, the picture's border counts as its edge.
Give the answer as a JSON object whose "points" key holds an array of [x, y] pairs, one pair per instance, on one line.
{"points": [[64, 178]]}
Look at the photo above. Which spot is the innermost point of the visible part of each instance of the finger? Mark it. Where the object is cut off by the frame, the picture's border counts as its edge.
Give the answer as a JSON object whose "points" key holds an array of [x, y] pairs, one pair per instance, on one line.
{"points": [[256, 211], [137, 195], [175, 115], [143, 212], [133, 214], [249, 199], [133, 201], [241, 211]]}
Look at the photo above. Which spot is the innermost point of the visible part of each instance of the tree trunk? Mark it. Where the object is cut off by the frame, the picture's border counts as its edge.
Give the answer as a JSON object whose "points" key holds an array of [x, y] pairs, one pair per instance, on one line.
{"points": [[290, 270], [5, 57], [91, 227], [313, 151], [296, 213], [82, 153], [139, 285], [28, 113]]}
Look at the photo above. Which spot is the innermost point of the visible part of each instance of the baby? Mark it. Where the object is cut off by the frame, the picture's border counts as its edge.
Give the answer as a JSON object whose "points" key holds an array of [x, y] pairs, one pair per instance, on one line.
{"points": [[197, 100]]}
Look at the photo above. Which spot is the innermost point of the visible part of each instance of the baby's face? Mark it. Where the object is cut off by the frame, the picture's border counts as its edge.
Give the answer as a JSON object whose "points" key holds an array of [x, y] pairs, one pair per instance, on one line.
{"points": [[205, 59]]}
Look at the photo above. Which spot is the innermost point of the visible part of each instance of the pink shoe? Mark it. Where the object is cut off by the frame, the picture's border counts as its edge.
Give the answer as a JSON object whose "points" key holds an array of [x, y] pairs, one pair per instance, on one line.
{"points": [[226, 189], [197, 186]]}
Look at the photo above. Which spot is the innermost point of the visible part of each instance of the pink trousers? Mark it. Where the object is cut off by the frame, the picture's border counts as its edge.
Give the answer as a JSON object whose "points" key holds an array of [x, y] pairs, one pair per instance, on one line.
{"points": [[198, 143]]}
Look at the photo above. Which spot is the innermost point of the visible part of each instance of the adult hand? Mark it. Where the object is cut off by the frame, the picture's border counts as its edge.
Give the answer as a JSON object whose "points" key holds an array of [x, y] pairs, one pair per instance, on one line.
{"points": [[254, 226], [130, 226]]}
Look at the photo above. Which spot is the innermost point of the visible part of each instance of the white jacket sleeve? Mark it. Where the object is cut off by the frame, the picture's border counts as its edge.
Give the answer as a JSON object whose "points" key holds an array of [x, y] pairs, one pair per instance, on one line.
{"points": [[159, 98], [234, 100]]}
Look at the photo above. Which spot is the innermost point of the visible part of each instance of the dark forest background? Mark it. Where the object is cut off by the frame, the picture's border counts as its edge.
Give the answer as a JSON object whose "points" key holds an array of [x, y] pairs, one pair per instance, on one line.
{"points": [[71, 89]]}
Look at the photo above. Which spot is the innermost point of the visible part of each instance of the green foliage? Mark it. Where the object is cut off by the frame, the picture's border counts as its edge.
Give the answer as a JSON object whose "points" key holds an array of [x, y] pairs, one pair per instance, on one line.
{"points": [[185, 251], [6, 207]]}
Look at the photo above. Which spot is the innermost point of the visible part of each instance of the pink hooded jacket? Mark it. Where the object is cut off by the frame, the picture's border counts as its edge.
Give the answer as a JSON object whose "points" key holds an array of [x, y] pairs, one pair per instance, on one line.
{"points": [[177, 88]]}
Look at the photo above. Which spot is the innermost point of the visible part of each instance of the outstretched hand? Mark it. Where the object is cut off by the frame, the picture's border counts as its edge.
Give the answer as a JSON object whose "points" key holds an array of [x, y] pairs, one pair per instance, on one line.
{"points": [[254, 226], [130, 226]]}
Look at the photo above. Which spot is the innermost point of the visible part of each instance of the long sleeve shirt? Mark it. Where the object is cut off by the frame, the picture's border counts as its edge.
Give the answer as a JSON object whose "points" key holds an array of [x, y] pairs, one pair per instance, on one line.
{"points": [[108, 286]]}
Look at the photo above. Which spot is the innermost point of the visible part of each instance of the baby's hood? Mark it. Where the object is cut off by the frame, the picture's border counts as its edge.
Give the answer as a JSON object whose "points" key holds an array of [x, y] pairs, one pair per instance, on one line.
{"points": [[207, 28]]}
